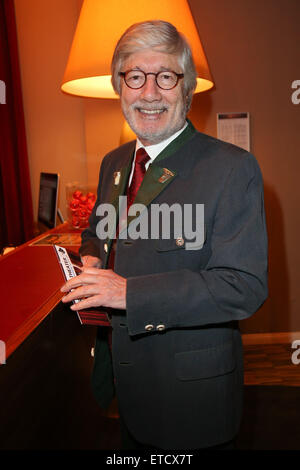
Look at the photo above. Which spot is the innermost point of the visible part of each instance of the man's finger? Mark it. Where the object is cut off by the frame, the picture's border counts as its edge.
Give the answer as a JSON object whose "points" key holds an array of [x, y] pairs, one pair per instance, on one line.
{"points": [[82, 279], [93, 301], [79, 293], [91, 261], [96, 271]]}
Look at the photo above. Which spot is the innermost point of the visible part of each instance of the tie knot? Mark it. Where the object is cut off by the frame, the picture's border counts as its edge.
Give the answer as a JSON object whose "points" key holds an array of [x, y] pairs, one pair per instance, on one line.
{"points": [[142, 156]]}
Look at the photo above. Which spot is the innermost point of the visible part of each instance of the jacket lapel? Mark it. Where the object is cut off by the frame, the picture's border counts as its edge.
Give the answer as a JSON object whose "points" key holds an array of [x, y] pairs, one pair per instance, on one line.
{"points": [[162, 172], [156, 179]]}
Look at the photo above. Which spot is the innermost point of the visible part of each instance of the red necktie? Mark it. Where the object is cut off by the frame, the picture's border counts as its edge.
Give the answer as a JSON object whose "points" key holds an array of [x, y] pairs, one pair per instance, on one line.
{"points": [[141, 159]]}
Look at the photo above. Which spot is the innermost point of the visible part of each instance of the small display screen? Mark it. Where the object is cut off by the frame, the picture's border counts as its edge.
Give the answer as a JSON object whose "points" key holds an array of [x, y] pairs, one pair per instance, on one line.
{"points": [[48, 199]]}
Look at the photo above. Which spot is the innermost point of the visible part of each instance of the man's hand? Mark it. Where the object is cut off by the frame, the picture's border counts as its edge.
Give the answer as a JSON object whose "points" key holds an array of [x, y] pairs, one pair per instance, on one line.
{"points": [[91, 261], [96, 288]]}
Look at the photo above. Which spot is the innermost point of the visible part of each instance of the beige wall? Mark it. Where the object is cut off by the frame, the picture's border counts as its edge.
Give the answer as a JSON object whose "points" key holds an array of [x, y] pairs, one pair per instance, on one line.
{"points": [[252, 49], [54, 121], [103, 123]]}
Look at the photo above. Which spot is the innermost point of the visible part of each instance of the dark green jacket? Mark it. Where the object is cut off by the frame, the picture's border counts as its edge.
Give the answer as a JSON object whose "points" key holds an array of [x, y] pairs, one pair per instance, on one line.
{"points": [[180, 386]]}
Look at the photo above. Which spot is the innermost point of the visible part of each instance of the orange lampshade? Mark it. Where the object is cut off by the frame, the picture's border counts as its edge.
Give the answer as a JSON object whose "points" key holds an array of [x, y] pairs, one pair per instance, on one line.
{"points": [[100, 25]]}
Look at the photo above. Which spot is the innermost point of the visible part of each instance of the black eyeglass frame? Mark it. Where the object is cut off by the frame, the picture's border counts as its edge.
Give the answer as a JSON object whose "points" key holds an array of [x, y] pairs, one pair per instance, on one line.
{"points": [[178, 75]]}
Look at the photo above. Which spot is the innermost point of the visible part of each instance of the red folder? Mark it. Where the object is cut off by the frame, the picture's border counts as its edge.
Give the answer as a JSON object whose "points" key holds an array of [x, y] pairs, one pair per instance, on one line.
{"points": [[29, 280]]}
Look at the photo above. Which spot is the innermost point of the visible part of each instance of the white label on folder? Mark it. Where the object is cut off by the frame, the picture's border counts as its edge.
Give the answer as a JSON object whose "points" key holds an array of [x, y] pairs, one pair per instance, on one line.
{"points": [[65, 262], [67, 267]]}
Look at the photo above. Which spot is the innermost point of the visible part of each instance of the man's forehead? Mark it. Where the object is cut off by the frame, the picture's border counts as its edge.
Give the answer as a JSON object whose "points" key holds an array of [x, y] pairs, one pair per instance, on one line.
{"points": [[150, 58]]}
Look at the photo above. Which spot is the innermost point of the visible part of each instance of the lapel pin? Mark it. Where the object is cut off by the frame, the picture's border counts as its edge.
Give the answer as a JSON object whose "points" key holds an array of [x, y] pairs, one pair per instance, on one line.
{"points": [[167, 174], [117, 176]]}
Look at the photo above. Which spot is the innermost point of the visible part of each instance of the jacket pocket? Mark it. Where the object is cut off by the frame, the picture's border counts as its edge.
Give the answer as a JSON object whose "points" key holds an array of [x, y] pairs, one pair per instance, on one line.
{"points": [[205, 363]]}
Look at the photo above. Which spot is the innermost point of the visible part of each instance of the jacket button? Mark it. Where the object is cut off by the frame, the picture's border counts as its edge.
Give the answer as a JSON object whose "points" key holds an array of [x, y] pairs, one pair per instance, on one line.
{"points": [[149, 327], [160, 327], [105, 247], [179, 241]]}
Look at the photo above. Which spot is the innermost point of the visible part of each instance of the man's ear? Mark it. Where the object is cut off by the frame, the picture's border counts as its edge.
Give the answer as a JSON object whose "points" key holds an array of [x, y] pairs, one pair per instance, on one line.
{"points": [[116, 91]]}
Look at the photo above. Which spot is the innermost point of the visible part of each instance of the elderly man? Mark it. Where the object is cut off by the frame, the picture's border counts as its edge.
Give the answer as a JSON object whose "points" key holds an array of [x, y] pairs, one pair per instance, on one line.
{"points": [[175, 359]]}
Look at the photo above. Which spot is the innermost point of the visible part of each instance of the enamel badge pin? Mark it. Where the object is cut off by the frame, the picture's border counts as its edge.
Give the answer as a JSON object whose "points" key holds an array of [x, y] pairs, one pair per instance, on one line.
{"points": [[167, 174], [117, 175]]}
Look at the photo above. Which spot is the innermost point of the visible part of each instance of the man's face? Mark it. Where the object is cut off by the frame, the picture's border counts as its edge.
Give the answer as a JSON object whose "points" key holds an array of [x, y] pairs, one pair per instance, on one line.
{"points": [[152, 113]]}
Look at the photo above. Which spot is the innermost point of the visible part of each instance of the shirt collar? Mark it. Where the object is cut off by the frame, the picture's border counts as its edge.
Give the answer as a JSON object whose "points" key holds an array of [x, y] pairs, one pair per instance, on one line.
{"points": [[154, 150]]}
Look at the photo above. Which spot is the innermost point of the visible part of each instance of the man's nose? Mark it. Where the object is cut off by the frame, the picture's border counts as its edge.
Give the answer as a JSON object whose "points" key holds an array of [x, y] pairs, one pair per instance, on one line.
{"points": [[151, 91]]}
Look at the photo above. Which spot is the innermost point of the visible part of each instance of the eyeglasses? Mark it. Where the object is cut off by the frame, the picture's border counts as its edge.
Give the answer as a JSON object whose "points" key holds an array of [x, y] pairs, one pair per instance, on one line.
{"points": [[136, 79]]}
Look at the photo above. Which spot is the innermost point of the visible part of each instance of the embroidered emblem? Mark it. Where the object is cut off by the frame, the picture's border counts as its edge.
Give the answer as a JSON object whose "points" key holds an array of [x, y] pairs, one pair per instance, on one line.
{"points": [[167, 174], [117, 176]]}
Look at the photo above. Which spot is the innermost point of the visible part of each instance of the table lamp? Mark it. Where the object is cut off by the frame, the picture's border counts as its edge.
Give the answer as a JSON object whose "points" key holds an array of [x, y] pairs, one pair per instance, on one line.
{"points": [[100, 25]]}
